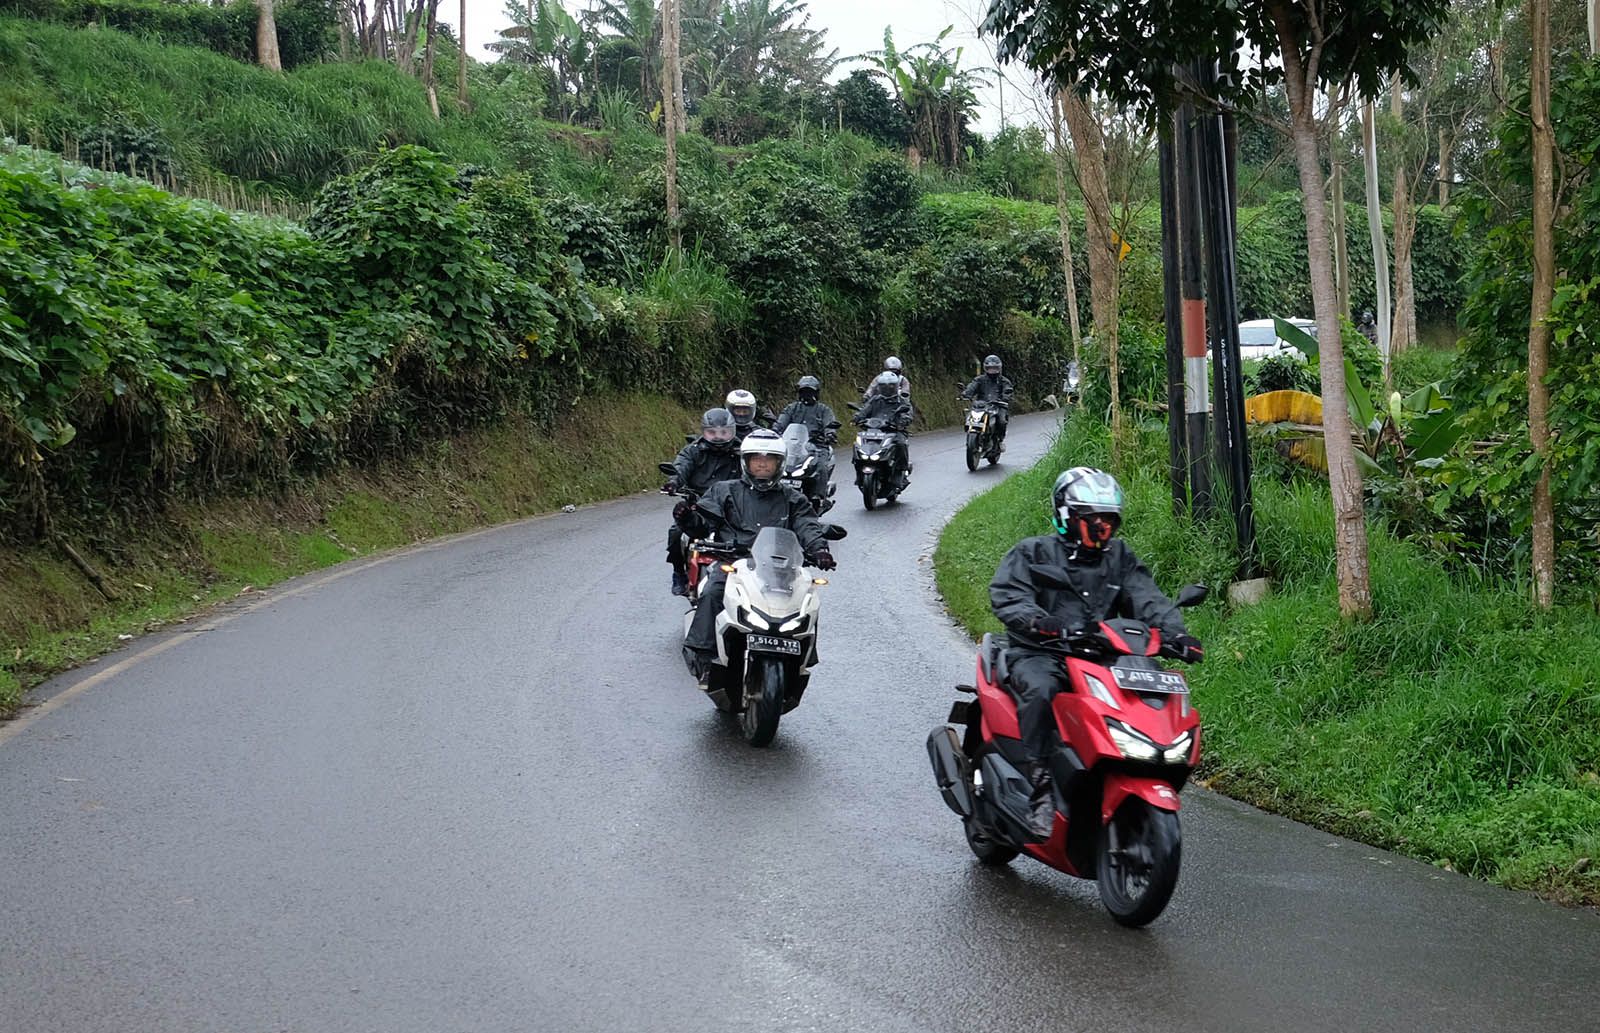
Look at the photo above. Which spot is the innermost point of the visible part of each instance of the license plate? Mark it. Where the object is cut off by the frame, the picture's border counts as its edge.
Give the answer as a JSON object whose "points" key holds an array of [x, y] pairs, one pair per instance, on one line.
{"points": [[773, 644], [1149, 681]]}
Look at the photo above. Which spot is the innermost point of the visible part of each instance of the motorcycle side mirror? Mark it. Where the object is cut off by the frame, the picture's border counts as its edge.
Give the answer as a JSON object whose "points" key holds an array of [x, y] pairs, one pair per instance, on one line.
{"points": [[834, 425], [1192, 595], [853, 406], [833, 532], [667, 468], [1052, 577]]}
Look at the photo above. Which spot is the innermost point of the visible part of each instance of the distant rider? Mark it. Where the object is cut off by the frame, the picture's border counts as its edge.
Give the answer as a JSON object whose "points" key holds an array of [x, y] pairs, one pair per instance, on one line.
{"points": [[742, 404], [891, 365], [737, 510], [712, 457], [811, 411], [886, 402], [991, 386], [1109, 582]]}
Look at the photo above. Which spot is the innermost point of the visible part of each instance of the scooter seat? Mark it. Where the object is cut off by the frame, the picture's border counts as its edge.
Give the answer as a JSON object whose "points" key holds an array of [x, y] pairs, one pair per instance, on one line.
{"points": [[992, 658]]}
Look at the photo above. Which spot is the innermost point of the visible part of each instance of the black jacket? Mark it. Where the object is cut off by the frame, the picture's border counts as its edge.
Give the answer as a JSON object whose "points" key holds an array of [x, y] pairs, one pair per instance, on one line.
{"points": [[815, 415], [896, 410], [990, 388], [700, 466], [1113, 585], [740, 510]]}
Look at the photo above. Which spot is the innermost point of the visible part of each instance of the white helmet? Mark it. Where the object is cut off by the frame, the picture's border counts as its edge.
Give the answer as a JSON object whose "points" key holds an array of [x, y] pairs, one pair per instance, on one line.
{"points": [[743, 406], [762, 442], [892, 363]]}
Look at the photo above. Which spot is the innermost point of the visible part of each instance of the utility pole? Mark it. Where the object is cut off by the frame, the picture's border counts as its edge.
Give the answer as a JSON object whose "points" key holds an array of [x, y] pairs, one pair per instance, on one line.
{"points": [[1172, 309], [1380, 250], [1197, 386]]}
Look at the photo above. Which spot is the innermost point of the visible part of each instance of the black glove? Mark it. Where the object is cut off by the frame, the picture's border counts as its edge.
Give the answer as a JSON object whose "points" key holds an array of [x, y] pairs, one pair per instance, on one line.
{"points": [[682, 510], [1188, 649], [671, 487], [824, 560], [1050, 627]]}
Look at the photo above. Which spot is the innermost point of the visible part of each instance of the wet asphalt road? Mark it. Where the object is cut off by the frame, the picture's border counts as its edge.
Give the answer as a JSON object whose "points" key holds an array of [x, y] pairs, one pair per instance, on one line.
{"points": [[471, 787]]}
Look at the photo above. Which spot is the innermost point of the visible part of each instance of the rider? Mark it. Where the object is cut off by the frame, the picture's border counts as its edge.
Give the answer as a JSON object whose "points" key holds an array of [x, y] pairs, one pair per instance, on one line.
{"points": [[811, 411], [992, 387], [740, 509], [1111, 582], [712, 457], [890, 365], [886, 401]]}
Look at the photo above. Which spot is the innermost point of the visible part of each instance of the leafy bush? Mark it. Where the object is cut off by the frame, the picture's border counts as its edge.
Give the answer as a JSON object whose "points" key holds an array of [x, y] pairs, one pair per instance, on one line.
{"points": [[305, 27], [885, 205]]}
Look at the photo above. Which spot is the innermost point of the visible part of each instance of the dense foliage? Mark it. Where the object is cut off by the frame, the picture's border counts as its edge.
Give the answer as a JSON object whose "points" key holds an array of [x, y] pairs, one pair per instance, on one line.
{"points": [[305, 27]]}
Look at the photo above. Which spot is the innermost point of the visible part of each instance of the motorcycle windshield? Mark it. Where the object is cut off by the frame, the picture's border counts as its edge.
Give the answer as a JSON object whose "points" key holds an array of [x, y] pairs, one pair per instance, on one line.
{"points": [[778, 559], [796, 445]]}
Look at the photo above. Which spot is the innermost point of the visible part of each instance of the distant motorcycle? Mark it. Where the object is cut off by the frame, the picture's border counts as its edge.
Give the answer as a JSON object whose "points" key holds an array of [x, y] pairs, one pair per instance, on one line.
{"points": [[883, 468], [983, 438], [767, 630], [808, 466]]}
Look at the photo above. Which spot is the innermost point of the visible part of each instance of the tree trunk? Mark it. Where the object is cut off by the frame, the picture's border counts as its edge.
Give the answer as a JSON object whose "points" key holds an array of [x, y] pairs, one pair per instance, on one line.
{"points": [[1064, 216], [1544, 539], [461, 59], [1088, 142], [427, 58], [1341, 245], [1404, 333], [1344, 477], [1446, 145], [1380, 249], [267, 37], [669, 111]]}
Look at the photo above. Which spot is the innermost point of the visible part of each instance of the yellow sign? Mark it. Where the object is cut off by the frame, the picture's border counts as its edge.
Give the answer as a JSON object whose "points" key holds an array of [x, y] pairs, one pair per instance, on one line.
{"points": [[1124, 249]]}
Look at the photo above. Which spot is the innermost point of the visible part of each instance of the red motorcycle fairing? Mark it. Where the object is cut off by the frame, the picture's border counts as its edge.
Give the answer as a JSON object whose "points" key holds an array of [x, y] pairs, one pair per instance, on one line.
{"points": [[1119, 786], [997, 709]]}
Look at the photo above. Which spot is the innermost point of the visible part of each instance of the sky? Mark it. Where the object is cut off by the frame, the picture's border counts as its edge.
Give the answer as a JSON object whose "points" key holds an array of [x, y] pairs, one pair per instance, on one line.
{"points": [[853, 26]]}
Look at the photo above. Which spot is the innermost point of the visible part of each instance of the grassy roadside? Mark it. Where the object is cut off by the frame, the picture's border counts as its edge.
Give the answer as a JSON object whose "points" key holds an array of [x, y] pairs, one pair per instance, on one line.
{"points": [[52, 618], [1459, 727]]}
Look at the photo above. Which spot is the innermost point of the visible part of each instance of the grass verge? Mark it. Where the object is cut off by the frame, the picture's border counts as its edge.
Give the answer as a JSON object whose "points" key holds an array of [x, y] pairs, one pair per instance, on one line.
{"points": [[52, 618], [1460, 726]]}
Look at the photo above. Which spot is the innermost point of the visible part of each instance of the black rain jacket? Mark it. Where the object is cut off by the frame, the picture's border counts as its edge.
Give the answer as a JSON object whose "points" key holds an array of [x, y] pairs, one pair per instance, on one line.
{"points": [[1107, 586], [815, 415], [699, 465], [742, 510], [988, 388]]}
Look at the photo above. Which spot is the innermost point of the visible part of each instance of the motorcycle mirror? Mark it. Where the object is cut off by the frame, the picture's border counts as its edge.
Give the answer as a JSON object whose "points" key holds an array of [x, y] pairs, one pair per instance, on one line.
{"points": [[667, 468], [834, 425], [1192, 595], [833, 532], [1053, 577], [852, 406]]}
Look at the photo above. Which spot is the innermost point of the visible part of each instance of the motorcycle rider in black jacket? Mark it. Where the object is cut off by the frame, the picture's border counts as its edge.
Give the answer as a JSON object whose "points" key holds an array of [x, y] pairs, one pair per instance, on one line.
{"points": [[992, 387], [712, 457], [1108, 582], [738, 510], [811, 411]]}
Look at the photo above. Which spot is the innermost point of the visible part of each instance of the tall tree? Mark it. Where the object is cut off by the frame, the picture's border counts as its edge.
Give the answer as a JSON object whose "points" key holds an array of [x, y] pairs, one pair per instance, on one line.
{"points": [[461, 59], [1105, 287], [1544, 275], [267, 36], [672, 110], [1064, 219], [1128, 50]]}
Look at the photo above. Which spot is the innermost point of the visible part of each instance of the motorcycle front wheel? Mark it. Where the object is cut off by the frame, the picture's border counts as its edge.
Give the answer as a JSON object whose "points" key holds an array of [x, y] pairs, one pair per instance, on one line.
{"points": [[869, 491], [1137, 868], [764, 704], [972, 450]]}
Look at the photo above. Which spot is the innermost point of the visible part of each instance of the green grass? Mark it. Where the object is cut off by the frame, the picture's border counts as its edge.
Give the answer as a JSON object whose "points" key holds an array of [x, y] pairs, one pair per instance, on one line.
{"points": [[52, 619], [1459, 726]]}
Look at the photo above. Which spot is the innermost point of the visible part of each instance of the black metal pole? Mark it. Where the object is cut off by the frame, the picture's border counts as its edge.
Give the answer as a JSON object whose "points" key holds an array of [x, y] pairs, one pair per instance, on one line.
{"points": [[1177, 446], [1197, 393], [1224, 309]]}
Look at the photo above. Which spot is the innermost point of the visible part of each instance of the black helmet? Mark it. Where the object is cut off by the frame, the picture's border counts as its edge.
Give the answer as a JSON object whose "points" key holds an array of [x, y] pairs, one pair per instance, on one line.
{"points": [[1367, 316], [1087, 507], [763, 442], [991, 364], [717, 430], [809, 388]]}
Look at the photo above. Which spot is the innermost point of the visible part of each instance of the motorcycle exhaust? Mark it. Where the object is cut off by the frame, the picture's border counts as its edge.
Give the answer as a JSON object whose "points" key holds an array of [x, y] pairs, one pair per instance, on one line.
{"points": [[949, 770]]}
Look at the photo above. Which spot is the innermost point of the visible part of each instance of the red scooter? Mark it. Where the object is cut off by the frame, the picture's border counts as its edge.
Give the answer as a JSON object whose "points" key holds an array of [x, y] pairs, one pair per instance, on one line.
{"points": [[1129, 741]]}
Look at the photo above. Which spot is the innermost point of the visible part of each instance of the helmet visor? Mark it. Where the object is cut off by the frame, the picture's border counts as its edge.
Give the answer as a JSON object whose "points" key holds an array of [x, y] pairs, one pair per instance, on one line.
{"points": [[717, 433], [743, 413]]}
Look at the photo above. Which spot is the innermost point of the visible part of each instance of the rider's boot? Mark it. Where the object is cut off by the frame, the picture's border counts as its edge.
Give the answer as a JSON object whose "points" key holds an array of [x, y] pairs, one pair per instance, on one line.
{"points": [[1041, 804]]}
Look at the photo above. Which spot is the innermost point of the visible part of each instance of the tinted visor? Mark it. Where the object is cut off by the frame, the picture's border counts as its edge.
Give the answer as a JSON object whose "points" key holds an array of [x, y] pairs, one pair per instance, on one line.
{"points": [[743, 413], [717, 433]]}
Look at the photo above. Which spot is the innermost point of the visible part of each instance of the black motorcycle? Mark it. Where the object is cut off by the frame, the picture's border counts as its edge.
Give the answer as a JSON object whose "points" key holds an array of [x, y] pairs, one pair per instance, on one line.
{"points": [[808, 465], [883, 468]]}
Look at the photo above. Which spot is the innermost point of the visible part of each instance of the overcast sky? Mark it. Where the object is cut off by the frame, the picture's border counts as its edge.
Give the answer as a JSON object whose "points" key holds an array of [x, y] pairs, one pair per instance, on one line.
{"points": [[853, 26]]}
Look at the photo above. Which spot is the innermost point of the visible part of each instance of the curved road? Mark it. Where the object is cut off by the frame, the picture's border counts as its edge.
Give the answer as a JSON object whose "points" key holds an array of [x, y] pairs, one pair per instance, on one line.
{"points": [[470, 787]]}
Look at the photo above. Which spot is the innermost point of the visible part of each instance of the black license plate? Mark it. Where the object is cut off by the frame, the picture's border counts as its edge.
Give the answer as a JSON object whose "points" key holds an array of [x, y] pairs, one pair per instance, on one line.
{"points": [[1149, 681], [773, 644]]}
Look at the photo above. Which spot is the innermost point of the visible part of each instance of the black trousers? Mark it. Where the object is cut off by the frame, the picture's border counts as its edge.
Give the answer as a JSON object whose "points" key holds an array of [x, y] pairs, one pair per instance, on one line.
{"points": [[1001, 418], [1036, 678], [702, 637], [675, 555]]}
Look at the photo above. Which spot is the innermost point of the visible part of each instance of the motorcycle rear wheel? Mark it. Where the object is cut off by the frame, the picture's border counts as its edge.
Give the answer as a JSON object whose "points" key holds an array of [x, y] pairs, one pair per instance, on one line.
{"points": [[1137, 865], [759, 722]]}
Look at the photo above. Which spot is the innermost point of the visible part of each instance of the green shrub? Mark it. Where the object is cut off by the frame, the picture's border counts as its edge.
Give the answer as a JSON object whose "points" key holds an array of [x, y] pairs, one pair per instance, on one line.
{"points": [[306, 28]]}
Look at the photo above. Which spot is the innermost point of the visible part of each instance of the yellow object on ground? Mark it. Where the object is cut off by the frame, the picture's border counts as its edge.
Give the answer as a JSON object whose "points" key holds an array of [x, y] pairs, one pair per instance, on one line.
{"points": [[1284, 407]]}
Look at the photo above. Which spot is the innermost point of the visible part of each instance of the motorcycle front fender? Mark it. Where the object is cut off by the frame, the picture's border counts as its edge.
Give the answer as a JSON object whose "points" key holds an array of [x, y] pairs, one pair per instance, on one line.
{"points": [[1156, 792]]}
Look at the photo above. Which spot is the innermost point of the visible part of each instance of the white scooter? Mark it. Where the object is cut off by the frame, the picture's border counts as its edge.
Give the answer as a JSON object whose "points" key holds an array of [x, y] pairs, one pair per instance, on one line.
{"points": [[766, 632]]}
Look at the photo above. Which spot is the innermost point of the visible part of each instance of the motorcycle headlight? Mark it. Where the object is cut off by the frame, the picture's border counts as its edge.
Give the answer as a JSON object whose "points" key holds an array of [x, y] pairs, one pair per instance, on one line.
{"points": [[793, 624], [1133, 745], [1098, 690], [1178, 752], [754, 619]]}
